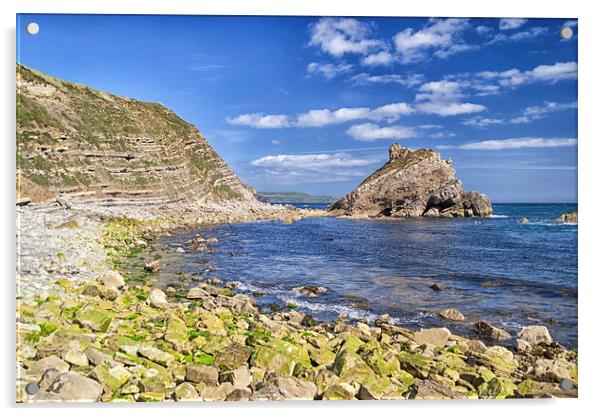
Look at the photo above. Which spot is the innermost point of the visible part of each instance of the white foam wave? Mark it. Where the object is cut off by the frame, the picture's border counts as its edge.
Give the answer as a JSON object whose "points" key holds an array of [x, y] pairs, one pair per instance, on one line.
{"points": [[498, 216], [288, 297]]}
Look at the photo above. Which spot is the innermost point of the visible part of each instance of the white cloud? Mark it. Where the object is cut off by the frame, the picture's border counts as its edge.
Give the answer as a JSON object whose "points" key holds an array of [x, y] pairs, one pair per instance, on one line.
{"points": [[340, 36], [442, 98], [370, 132], [528, 115], [311, 162], [328, 70], [382, 58], [391, 112], [516, 143], [439, 91], [323, 117], [508, 24], [570, 23], [530, 33], [542, 73], [410, 80], [537, 112], [442, 134], [450, 109], [483, 30], [439, 37], [260, 121], [275, 141], [482, 121]]}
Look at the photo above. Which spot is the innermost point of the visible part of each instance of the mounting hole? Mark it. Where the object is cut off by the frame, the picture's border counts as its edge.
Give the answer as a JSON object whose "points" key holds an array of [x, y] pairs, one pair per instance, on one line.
{"points": [[566, 32], [566, 384], [32, 388], [33, 28]]}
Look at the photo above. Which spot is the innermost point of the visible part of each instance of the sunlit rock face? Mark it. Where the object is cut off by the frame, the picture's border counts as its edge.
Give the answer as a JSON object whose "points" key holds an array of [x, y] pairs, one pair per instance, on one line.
{"points": [[413, 183]]}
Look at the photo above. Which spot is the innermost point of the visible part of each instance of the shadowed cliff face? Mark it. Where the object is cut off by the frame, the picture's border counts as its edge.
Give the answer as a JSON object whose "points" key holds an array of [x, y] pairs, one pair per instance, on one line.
{"points": [[74, 140], [413, 183]]}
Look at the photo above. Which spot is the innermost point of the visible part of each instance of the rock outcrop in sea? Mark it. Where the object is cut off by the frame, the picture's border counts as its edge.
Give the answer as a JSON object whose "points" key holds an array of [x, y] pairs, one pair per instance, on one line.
{"points": [[413, 183]]}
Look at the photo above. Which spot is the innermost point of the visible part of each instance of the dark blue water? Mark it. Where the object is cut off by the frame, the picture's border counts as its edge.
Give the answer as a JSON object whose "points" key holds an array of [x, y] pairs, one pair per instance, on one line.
{"points": [[509, 273]]}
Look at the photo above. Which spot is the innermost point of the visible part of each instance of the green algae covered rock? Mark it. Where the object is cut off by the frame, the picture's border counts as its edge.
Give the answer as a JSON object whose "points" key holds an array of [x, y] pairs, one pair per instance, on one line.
{"points": [[94, 318], [112, 377], [497, 388], [350, 367], [339, 391], [275, 361]]}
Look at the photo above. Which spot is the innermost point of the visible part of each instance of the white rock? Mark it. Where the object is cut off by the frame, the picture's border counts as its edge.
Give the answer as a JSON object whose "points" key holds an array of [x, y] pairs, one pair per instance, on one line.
{"points": [[157, 298], [112, 280]]}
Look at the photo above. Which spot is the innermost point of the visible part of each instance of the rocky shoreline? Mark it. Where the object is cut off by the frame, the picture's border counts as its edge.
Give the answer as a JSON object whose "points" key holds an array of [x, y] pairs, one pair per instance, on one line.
{"points": [[89, 330]]}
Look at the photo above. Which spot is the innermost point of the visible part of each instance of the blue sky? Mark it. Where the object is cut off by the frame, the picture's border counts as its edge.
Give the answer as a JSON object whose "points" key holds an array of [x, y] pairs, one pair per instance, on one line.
{"points": [[312, 104]]}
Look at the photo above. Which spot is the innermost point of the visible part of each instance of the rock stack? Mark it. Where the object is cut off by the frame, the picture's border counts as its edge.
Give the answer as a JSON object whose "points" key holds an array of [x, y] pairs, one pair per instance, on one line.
{"points": [[413, 183]]}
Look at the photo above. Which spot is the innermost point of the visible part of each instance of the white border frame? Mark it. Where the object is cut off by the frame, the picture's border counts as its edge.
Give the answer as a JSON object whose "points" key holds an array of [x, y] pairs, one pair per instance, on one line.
{"points": [[590, 135]]}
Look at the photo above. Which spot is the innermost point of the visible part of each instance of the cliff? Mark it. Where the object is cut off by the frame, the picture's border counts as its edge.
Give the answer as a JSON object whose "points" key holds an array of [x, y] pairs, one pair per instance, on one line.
{"points": [[78, 142], [413, 183]]}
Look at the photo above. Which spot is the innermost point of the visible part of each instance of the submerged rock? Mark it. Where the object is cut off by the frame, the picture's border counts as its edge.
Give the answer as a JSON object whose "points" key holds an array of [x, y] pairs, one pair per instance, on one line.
{"points": [[535, 334], [452, 314], [568, 217], [413, 183], [310, 291], [486, 330]]}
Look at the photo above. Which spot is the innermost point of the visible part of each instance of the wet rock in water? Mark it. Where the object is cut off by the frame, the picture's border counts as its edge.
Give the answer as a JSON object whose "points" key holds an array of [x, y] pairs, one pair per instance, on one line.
{"points": [[433, 336], [185, 391], [158, 298], [486, 330], [382, 319], [212, 240], [112, 280], [310, 291], [436, 287], [153, 266], [202, 374], [568, 217], [523, 220], [535, 334], [75, 387], [308, 320], [179, 250], [452, 314]]}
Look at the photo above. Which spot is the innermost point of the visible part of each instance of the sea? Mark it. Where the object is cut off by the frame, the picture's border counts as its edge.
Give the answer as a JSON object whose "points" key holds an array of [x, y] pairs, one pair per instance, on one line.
{"points": [[497, 269]]}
